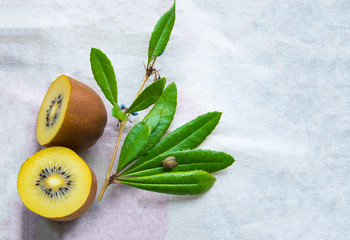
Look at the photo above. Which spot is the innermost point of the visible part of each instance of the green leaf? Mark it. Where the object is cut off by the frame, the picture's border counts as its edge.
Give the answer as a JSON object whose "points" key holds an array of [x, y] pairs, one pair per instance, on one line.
{"points": [[185, 137], [178, 183], [133, 144], [161, 34], [104, 75], [148, 96], [198, 159], [161, 115], [118, 113]]}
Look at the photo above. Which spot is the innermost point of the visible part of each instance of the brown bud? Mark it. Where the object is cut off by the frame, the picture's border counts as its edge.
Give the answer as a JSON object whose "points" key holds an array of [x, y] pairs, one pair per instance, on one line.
{"points": [[169, 163]]}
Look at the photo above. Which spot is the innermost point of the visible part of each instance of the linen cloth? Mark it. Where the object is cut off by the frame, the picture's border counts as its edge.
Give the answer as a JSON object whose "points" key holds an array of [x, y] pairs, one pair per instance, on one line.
{"points": [[278, 70]]}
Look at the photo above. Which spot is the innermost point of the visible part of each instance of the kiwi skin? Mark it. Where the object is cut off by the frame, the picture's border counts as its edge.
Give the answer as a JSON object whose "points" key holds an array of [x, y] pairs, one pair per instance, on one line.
{"points": [[85, 206], [84, 120]]}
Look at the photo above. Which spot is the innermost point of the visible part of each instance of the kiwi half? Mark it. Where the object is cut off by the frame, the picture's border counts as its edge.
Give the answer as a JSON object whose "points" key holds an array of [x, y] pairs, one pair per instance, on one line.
{"points": [[71, 115], [57, 184]]}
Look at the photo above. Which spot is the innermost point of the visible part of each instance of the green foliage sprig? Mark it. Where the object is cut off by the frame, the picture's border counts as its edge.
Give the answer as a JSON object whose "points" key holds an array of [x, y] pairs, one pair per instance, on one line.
{"points": [[144, 157]]}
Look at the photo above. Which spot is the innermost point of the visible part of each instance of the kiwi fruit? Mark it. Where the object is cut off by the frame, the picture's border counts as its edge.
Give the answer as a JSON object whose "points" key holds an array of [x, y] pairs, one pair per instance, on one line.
{"points": [[57, 184], [71, 115]]}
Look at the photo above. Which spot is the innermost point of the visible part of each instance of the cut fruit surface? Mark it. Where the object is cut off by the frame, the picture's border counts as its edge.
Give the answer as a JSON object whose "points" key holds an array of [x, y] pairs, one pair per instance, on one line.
{"points": [[52, 110], [71, 115], [57, 184]]}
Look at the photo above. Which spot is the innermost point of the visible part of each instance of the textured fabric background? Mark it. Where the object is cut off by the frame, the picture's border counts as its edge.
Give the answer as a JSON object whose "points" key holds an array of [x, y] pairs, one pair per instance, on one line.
{"points": [[278, 70]]}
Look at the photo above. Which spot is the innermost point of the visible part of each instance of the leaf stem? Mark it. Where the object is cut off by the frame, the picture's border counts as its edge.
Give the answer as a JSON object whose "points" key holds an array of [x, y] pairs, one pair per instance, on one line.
{"points": [[109, 179]]}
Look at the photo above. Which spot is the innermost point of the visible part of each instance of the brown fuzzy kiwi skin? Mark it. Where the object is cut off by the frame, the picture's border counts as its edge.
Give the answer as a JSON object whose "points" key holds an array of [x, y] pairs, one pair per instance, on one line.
{"points": [[90, 199], [84, 120]]}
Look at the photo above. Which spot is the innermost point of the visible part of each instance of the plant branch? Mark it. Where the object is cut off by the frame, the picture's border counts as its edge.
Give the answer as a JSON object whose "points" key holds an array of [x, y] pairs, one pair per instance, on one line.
{"points": [[109, 179]]}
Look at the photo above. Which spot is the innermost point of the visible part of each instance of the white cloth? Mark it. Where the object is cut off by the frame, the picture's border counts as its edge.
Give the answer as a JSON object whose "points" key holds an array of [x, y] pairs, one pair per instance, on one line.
{"points": [[278, 70]]}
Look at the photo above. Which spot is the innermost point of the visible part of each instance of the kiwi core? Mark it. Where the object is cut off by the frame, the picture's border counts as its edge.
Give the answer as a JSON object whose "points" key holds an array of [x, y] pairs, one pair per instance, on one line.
{"points": [[52, 110], [54, 181]]}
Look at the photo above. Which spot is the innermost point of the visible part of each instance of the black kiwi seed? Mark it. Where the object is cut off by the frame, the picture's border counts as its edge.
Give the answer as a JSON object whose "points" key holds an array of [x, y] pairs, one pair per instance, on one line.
{"points": [[67, 176], [63, 173], [66, 188]]}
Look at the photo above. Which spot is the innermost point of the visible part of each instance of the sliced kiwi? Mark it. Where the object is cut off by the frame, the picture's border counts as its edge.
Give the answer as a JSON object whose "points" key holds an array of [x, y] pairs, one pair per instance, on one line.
{"points": [[71, 115], [57, 184]]}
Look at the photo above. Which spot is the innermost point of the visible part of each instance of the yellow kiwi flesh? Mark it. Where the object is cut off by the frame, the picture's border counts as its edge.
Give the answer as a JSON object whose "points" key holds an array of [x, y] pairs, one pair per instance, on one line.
{"points": [[71, 115], [52, 110], [57, 184]]}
